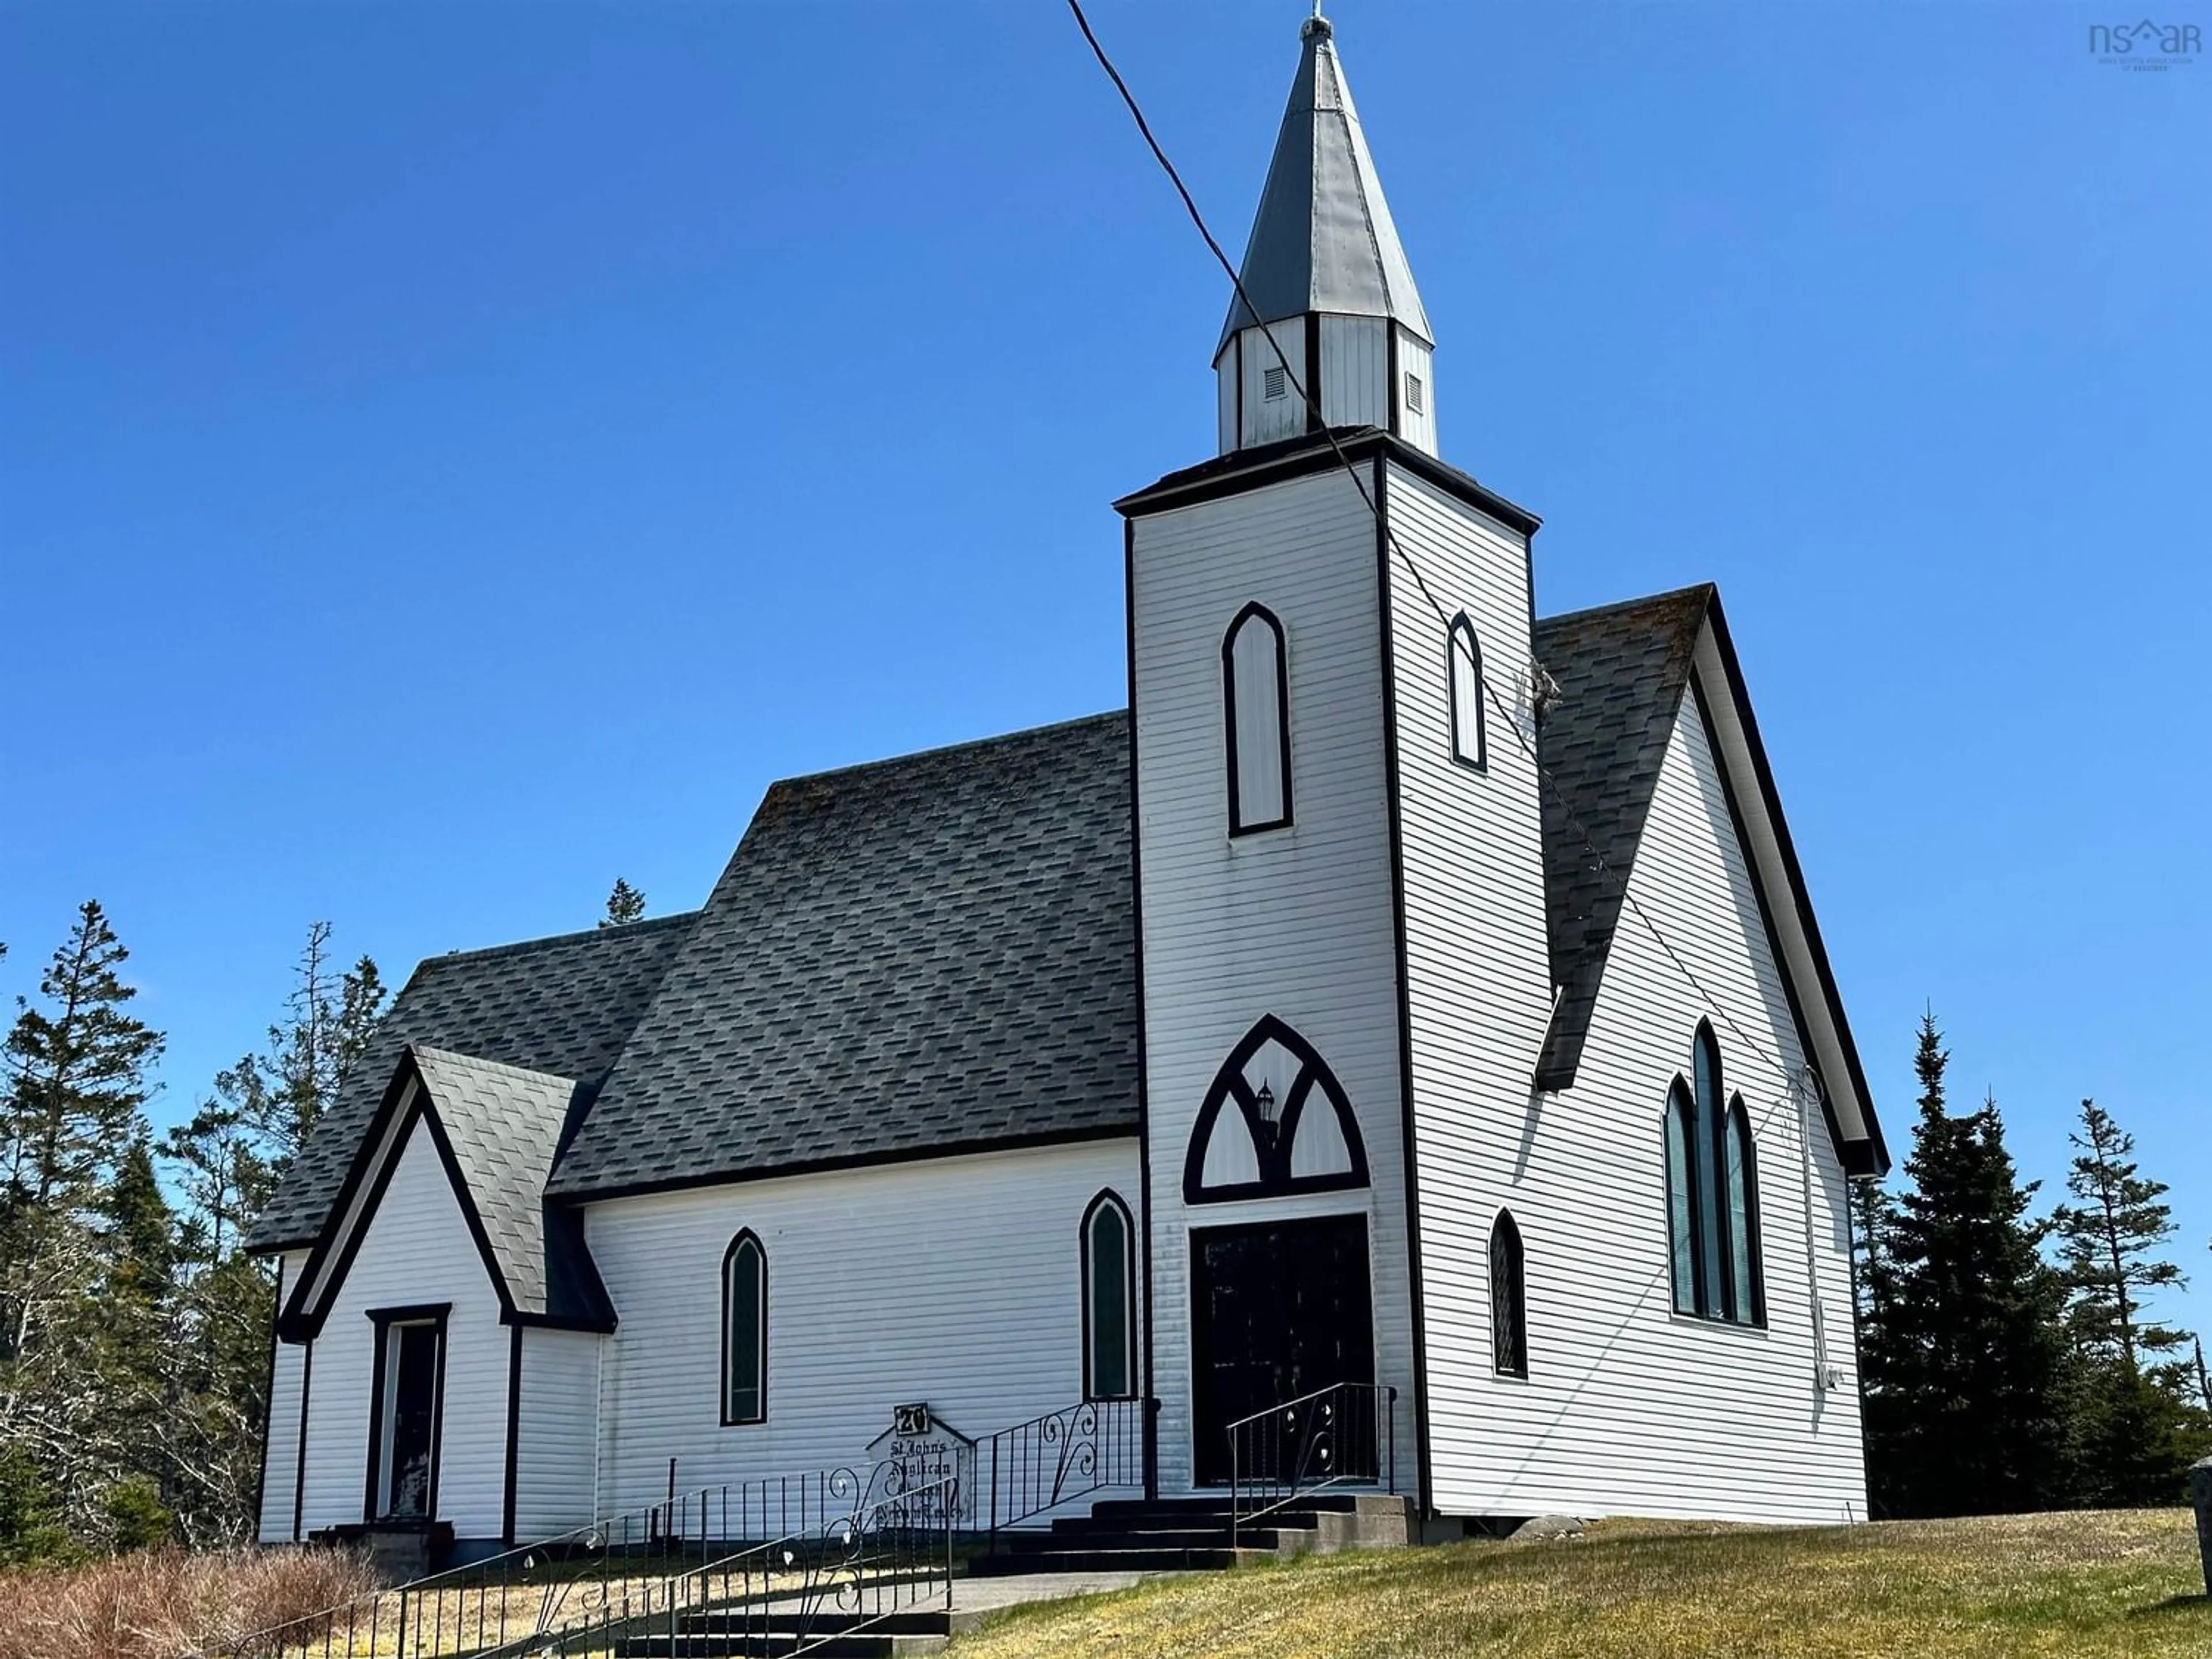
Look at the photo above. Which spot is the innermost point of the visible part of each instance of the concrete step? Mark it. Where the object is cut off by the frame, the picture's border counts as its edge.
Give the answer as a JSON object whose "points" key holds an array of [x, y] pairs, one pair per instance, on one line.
{"points": [[1101, 1535], [1170, 1558], [860, 1644], [1329, 1501]]}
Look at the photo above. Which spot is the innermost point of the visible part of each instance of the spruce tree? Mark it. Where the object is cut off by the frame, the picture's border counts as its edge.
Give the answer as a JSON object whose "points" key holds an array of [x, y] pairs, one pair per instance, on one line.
{"points": [[625, 904], [2107, 1245], [1964, 1409], [71, 1127]]}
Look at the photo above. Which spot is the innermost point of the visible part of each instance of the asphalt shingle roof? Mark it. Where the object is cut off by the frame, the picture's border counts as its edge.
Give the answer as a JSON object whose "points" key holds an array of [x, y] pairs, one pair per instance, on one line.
{"points": [[918, 956], [1621, 671], [505, 1124], [562, 1005], [924, 955]]}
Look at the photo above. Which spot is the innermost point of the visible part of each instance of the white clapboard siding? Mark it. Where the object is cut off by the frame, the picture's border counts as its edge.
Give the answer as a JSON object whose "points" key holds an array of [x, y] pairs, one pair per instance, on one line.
{"points": [[1225, 372], [1265, 418], [418, 1250], [280, 1462], [1477, 968], [1628, 1408], [1355, 371], [954, 1281], [1296, 922], [1418, 427], [556, 1432]]}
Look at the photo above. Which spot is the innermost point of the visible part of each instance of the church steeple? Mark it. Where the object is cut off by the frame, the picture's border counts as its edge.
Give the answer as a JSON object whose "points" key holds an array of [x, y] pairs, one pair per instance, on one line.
{"points": [[1326, 273]]}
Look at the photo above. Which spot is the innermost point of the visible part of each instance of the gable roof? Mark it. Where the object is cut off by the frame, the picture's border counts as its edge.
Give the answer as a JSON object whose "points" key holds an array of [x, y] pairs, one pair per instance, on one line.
{"points": [[562, 1005], [497, 1130], [936, 954], [1621, 671], [1624, 671], [922, 955], [1322, 238]]}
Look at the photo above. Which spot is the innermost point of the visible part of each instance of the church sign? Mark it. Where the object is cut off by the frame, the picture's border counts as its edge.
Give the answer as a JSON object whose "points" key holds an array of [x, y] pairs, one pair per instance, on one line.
{"points": [[922, 1454]]}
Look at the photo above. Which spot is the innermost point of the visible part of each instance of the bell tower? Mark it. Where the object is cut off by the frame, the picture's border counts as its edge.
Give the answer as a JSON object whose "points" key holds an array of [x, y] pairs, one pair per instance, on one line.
{"points": [[1343, 962], [1327, 278]]}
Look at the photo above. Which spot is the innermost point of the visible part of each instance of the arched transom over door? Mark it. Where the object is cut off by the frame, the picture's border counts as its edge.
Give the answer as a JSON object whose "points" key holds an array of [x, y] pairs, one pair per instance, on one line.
{"points": [[1274, 1121]]}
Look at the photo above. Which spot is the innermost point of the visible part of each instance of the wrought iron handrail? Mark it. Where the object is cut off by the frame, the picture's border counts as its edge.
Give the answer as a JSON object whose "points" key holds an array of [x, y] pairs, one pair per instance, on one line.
{"points": [[892, 1554], [1330, 1437], [525, 1593], [1062, 1456]]}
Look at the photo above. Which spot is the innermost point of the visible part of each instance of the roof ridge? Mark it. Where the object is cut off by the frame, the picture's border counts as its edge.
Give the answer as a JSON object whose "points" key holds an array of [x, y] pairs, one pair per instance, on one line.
{"points": [[1710, 589], [945, 749], [443, 1053], [627, 930]]}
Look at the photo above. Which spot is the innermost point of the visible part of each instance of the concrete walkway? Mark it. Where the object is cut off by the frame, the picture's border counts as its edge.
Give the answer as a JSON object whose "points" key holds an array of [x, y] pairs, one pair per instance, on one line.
{"points": [[974, 1598]]}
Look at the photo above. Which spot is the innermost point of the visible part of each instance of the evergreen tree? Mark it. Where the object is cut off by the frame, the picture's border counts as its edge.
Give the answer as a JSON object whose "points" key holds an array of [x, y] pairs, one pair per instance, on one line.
{"points": [[625, 904], [77, 1069], [1964, 1404], [2106, 1247], [73, 1179]]}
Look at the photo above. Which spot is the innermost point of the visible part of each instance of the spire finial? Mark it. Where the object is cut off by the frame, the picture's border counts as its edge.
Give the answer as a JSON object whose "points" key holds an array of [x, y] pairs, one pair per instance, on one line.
{"points": [[1316, 25]]}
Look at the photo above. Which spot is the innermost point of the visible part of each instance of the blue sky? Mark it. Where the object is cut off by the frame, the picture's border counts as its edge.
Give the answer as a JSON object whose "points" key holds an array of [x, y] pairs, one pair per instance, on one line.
{"points": [[453, 454]]}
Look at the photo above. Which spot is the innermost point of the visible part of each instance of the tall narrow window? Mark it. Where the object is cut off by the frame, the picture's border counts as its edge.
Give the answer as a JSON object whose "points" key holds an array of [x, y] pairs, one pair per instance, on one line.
{"points": [[1468, 738], [1681, 1197], [1509, 1299], [1256, 684], [1747, 1290], [1110, 1302], [1713, 1195], [1705, 1150], [744, 1331]]}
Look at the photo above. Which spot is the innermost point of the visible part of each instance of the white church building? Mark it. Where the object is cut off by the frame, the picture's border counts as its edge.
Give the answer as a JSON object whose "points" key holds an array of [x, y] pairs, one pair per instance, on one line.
{"points": [[1405, 993]]}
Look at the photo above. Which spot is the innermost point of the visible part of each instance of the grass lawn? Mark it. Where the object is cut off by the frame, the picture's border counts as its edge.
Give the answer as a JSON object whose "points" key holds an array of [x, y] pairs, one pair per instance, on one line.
{"points": [[2084, 1586]]}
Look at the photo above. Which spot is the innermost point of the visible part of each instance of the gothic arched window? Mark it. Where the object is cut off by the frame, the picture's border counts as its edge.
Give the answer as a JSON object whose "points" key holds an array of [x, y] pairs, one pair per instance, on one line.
{"points": [[1682, 1197], [1712, 1195], [1109, 1300], [744, 1331], [1747, 1284], [1256, 700], [1509, 1298], [1468, 735]]}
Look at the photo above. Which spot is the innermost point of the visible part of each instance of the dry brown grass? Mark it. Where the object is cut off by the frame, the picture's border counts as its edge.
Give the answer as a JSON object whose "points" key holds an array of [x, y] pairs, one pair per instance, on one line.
{"points": [[2096, 1586], [160, 1604]]}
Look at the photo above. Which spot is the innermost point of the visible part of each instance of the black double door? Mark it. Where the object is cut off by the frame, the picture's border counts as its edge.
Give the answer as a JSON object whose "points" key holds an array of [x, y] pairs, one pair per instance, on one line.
{"points": [[1279, 1309]]}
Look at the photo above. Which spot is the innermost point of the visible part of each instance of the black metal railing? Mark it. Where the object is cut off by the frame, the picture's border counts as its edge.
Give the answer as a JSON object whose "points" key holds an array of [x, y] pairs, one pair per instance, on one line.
{"points": [[1052, 1460], [892, 1554], [609, 1570], [1345, 1434]]}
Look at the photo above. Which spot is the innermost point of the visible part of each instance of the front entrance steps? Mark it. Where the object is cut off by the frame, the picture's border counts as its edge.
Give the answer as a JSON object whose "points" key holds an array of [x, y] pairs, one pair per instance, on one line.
{"points": [[1121, 1542], [1184, 1534], [917, 1630]]}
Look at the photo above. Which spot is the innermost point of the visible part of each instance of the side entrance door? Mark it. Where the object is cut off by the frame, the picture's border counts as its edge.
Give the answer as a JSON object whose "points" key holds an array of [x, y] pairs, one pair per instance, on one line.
{"points": [[1279, 1308]]}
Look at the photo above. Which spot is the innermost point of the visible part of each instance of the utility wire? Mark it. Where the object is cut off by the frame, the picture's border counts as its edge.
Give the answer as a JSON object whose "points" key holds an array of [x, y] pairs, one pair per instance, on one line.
{"points": [[1359, 482]]}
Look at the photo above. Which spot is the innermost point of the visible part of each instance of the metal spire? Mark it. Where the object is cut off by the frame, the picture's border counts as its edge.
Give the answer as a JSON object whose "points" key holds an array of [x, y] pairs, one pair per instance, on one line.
{"points": [[1323, 240]]}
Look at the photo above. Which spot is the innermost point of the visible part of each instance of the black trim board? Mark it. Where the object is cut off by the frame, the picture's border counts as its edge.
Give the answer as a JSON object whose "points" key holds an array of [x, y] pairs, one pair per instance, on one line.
{"points": [[1858, 1157], [1244, 469], [513, 1434], [300, 1470], [1391, 783], [1878, 1163], [863, 1160], [1136, 923], [268, 1400], [381, 1320]]}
